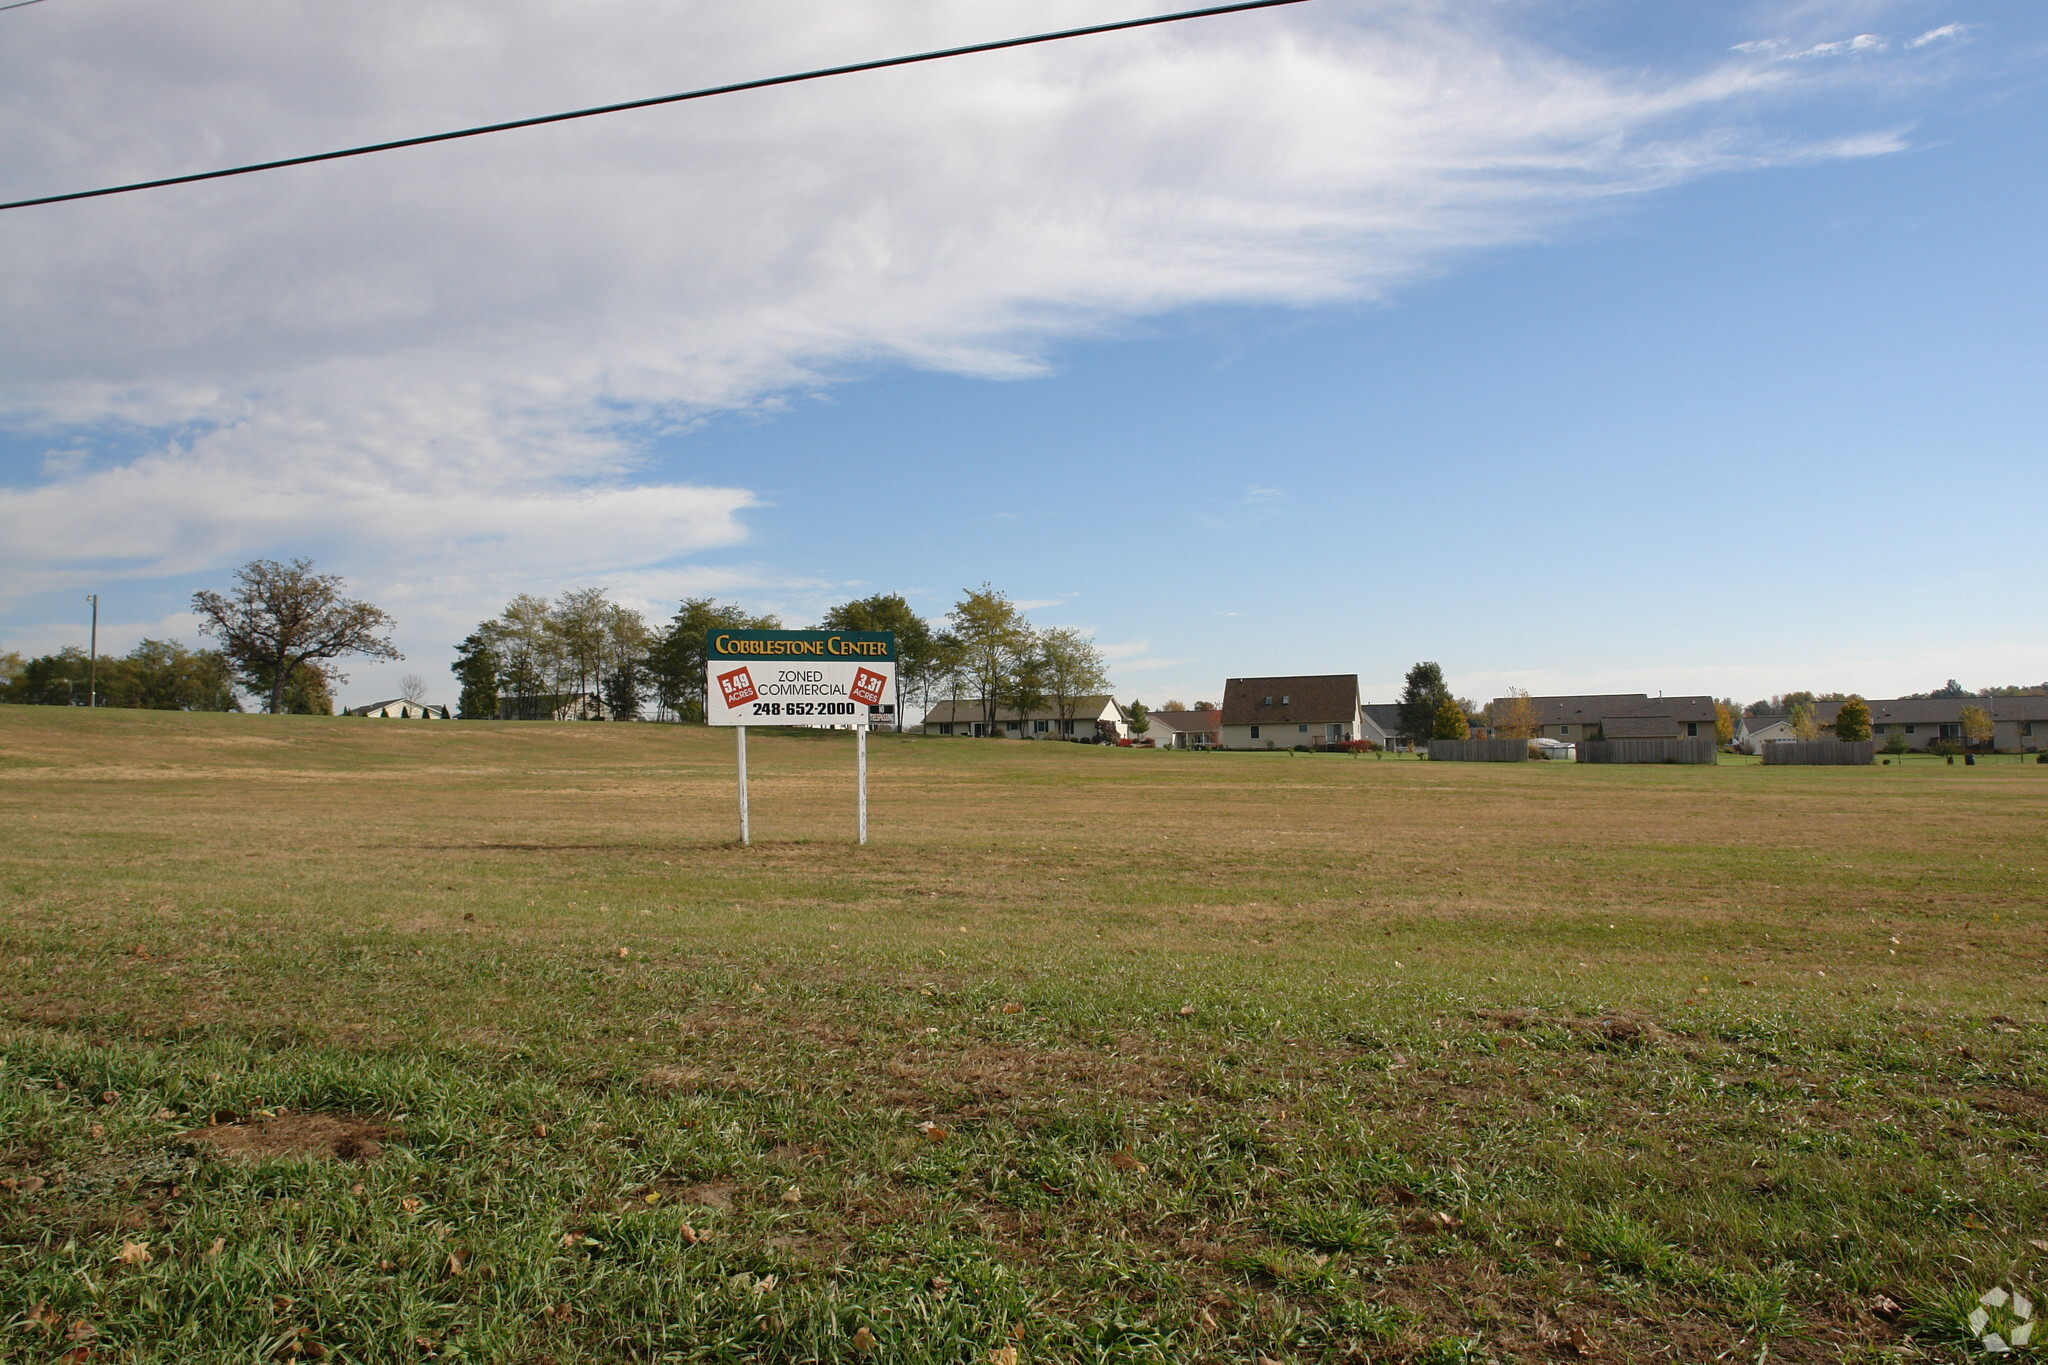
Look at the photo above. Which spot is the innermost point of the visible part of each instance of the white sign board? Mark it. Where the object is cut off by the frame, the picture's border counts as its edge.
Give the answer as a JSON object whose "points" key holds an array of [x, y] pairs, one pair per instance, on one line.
{"points": [[832, 678]]}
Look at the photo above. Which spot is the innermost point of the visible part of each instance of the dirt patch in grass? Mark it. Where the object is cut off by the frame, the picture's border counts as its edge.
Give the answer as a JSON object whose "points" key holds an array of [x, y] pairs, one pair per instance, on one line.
{"points": [[326, 1137]]}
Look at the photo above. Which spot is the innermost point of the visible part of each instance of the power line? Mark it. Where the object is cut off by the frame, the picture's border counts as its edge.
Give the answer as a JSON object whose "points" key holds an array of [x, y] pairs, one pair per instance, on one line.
{"points": [[706, 93], [18, 4]]}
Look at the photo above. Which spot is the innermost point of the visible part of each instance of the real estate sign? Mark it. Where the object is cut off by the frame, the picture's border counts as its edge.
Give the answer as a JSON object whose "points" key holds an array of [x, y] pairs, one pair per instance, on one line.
{"points": [[799, 677]]}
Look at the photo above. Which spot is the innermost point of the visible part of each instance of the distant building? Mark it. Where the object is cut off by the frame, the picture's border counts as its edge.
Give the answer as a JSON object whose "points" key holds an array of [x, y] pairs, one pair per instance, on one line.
{"points": [[1093, 718], [1753, 732], [1617, 715], [1381, 723], [1279, 713], [399, 709], [1186, 729], [555, 706]]}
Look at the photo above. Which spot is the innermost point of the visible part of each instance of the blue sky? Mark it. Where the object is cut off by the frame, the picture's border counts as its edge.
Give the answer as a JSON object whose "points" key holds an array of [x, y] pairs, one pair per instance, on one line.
{"points": [[1729, 379]]}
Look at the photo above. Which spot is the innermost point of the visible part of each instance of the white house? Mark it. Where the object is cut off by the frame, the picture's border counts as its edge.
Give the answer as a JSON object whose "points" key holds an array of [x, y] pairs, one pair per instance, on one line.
{"points": [[1088, 719], [1753, 732], [1316, 710], [1185, 729], [399, 709]]}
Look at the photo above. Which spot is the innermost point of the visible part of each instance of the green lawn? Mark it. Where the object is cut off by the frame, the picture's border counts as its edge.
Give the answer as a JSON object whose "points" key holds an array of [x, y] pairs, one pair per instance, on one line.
{"points": [[1093, 1055]]}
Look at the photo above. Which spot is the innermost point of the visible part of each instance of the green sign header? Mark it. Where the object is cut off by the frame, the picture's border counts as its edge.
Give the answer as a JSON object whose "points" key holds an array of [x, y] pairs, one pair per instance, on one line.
{"points": [[824, 646]]}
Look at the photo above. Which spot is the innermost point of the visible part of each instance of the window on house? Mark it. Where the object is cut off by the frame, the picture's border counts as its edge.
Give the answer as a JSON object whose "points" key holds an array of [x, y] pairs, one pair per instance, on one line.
{"points": [[945, 729], [1039, 727], [1011, 725], [1301, 729], [2027, 728], [1267, 702], [1911, 729], [1287, 701], [1255, 732], [1564, 729], [1692, 729]]}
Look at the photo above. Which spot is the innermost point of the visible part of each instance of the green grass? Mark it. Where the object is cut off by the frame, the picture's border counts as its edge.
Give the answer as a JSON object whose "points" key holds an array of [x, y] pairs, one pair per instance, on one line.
{"points": [[1096, 1055]]}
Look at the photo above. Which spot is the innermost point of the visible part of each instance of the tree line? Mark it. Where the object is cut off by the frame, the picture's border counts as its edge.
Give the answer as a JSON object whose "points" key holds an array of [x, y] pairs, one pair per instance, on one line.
{"points": [[280, 626], [584, 656]]}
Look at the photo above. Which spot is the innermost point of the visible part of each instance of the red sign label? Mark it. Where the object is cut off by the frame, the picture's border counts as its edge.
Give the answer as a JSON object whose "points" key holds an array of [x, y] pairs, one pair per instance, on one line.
{"points": [[867, 687], [736, 687]]}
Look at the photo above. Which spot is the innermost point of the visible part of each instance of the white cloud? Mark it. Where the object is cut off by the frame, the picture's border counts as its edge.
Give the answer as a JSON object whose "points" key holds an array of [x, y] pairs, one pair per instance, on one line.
{"points": [[448, 360], [1862, 42], [1935, 35]]}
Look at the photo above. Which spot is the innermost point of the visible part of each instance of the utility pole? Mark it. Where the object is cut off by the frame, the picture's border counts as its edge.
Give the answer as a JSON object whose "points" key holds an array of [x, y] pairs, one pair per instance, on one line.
{"points": [[92, 667]]}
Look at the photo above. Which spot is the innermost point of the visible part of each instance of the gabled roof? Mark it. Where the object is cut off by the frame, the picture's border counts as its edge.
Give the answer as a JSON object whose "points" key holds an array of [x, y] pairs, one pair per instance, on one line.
{"points": [[1316, 698], [1187, 721], [1641, 727], [1909, 711], [2019, 708], [1586, 710], [968, 710], [1697, 709]]}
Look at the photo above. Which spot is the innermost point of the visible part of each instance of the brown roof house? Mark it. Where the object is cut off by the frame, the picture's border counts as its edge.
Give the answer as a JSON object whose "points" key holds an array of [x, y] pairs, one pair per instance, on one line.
{"points": [[1280, 713], [1185, 729], [1617, 715]]}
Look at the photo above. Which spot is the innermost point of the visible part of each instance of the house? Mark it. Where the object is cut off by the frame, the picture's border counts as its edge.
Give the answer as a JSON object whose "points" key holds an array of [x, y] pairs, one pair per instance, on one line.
{"points": [[1753, 732], [1093, 719], [2020, 724], [1381, 723], [398, 708], [1919, 721], [1279, 713], [1185, 729], [1616, 715], [555, 706]]}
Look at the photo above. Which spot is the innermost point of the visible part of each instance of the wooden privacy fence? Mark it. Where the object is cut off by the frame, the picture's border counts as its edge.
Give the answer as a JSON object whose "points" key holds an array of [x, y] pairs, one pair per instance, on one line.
{"points": [[1648, 751], [1821, 752], [1479, 750]]}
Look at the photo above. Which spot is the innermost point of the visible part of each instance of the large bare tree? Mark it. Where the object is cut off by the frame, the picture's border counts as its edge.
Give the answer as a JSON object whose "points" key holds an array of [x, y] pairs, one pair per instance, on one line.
{"points": [[280, 616]]}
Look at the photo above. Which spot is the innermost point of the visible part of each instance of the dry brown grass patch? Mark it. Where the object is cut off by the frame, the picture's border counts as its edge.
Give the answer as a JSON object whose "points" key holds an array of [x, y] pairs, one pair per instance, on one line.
{"points": [[321, 1137]]}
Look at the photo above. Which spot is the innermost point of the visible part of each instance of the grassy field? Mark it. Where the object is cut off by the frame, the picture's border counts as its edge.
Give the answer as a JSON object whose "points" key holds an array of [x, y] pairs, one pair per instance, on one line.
{"points": [[376, 1041]]}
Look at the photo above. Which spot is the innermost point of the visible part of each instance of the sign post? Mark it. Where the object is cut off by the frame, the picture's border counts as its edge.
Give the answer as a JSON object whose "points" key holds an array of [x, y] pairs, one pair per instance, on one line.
{"points": [[742, 733], [823, 679]]}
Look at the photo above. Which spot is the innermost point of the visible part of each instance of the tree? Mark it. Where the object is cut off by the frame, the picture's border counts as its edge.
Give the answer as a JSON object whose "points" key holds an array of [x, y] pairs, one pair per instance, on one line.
{"points": [[476, 667], [50, 680], [1805, 725], [1140, 721], [1024, 689], [1171, 705], [993, 638], [676, 662], [163, 675], [1518, 717], [282, 617], [1205, 706], [1852, 722], [306, 691], [10, 668], [1896, 742], [1725, 716], [1977, 727], [1073, 668], [1422, 697], [622, 666], [412, 688], [920, 658], [1450, 721], [1951, 689]]}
